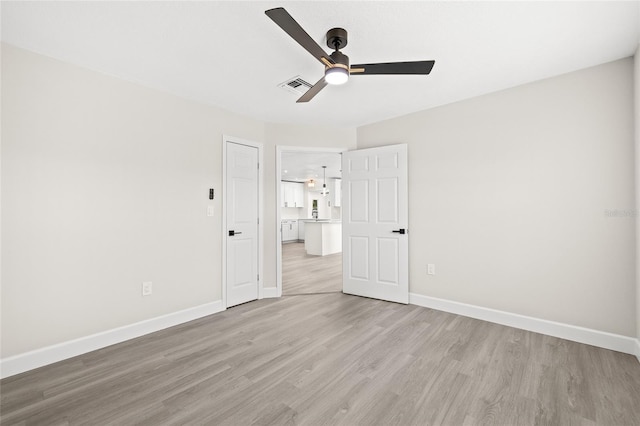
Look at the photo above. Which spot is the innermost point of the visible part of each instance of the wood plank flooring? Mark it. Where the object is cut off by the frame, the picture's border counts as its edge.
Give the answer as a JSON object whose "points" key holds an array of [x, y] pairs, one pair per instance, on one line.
{"points": [[332, 359], [304, 274]]}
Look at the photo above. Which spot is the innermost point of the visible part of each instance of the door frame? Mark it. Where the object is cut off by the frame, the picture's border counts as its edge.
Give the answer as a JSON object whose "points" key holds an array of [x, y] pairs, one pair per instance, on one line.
{"points": [[225, 141], [280, 149]]}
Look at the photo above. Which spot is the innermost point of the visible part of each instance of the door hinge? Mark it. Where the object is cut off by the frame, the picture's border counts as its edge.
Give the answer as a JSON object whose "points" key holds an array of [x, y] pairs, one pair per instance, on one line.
{"points": [[258, 277], [258, 166]]}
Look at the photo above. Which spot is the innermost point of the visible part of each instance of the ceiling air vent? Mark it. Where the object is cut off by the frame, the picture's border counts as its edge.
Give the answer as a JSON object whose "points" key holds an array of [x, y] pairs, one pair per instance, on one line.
{"points": [[296, 85]]}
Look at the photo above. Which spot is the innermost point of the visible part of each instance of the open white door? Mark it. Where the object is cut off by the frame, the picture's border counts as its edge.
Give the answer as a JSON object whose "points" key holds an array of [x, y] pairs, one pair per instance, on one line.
{"points": [[241, 191], [375, 259]]}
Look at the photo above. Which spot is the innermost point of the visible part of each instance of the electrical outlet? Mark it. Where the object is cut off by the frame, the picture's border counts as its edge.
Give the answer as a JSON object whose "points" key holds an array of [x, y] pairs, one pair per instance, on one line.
{"points": [[147, 288], [431, 269]]}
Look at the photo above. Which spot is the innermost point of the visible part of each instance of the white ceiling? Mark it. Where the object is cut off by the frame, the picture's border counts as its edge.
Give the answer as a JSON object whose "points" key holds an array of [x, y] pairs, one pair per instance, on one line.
{"points": [[302, 166], [230, 54]]}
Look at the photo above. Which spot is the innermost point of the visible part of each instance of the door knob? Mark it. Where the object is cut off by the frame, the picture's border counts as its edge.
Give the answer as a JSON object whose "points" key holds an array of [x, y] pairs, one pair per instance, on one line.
{"points": [[399, 231], [232, 233]]}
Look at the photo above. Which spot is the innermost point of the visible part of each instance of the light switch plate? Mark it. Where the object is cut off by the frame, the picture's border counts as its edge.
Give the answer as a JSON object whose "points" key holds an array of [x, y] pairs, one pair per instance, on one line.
{"points": [[431, 269]]}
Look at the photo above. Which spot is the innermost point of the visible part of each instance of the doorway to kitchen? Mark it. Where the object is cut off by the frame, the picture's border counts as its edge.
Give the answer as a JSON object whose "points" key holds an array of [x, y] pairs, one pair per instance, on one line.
{"points": [[309, 243]]}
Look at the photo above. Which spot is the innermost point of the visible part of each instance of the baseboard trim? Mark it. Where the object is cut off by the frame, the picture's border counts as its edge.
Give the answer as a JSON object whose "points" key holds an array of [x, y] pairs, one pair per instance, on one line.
{"points": [[270, 292], [30, 360], [574, 333], [40, 357]]}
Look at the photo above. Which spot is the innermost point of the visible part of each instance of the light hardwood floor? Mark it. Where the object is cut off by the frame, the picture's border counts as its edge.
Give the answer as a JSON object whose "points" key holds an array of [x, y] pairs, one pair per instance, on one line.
{"points": [[304, 274], [332, 359]]}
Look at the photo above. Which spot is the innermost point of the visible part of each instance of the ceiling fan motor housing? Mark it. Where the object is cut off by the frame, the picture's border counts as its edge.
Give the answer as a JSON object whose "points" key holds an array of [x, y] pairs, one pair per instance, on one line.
{"points": [[341, 60], [336, 38]]}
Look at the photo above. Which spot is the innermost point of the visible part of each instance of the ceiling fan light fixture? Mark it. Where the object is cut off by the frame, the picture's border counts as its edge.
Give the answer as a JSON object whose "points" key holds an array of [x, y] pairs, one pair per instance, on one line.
{"points": [[336, 75]]}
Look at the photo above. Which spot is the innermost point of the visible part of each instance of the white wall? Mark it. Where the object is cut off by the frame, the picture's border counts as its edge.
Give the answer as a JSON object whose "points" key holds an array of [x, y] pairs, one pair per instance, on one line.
{"points": [[105, 185], [509, 194]]}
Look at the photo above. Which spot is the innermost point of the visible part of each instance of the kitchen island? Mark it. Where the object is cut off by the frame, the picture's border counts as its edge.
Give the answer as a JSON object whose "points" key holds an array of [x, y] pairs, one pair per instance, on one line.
{"points": [[323, 237]]}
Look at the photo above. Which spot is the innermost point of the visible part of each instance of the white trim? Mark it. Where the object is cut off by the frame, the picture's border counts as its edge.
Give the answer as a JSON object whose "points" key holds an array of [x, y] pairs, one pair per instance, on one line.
{"points": [[279, 150], [270, 292], [261, 166], [40, 357], [279, 196], [574, 333], [223, 278], [260, 147], [638, 349]]}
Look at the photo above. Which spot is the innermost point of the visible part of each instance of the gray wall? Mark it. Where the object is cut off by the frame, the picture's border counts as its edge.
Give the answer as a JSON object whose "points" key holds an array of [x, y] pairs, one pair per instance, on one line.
{"points": [[104, 186], [522, 198]]}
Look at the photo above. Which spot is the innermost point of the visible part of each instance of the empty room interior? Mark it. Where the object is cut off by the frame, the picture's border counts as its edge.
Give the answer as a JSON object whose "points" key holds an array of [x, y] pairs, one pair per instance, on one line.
{"points": [[320, 212]]}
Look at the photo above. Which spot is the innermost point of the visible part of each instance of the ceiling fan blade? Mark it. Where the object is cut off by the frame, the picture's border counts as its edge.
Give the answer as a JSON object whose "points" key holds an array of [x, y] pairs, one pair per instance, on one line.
{"points": [[321, 84], [285, 21], [416, 67]]}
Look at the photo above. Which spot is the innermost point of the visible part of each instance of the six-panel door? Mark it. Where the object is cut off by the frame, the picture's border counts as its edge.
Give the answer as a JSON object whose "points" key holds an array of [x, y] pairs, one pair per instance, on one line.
{"points": [[375, 221], [242, 223]]}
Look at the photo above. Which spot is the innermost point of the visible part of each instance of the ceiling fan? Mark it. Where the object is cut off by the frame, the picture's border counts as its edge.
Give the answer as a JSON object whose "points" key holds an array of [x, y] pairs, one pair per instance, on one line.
{"points": [[337, 68]]}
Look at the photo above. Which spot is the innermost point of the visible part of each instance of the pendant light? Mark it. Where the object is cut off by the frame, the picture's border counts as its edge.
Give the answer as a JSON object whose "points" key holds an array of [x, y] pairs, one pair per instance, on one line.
{"points": [[324, 192]]}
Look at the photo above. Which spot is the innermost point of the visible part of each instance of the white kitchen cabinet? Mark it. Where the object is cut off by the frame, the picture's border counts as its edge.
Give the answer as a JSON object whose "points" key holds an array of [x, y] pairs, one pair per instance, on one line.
{"points": [[283, 194], [292, 194], [298, 194], [289, 230], [288, 194]]}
